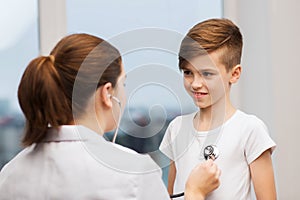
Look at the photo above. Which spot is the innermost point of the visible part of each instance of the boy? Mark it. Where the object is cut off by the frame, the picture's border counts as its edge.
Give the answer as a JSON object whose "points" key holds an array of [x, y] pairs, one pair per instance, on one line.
{"points": [[209, 57]]}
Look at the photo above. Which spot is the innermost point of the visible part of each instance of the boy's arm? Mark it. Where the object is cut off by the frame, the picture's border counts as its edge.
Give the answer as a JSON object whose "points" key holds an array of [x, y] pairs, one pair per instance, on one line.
{"points": [[262, 174], [171, 177]]}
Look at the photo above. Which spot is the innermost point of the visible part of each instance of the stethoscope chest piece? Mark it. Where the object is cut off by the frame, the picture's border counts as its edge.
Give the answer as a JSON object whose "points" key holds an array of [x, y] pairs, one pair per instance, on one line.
{"points": [[211, 152]]}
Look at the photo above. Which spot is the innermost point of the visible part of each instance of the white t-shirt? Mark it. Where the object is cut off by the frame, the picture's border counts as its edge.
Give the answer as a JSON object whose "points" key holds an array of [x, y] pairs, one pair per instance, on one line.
{"points": [[240, 140]]}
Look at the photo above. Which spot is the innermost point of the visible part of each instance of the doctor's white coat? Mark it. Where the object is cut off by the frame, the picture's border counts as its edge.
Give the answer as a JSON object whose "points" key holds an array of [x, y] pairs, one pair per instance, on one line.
{"points": [[76, 163]]}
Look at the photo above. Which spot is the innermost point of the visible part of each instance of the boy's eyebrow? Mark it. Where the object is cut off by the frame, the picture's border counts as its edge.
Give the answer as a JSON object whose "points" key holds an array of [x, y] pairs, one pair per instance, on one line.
{"points": [[184, 67], [199, 70], [209, 69]]}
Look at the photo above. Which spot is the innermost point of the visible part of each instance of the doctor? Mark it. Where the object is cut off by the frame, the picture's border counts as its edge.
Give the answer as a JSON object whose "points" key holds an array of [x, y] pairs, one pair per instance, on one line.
{"points": [[69, 100]]}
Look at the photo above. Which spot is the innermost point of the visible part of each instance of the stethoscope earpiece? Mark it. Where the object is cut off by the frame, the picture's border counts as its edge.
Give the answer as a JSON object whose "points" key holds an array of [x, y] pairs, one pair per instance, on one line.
{"points": [[118, 122], [211, 152]]}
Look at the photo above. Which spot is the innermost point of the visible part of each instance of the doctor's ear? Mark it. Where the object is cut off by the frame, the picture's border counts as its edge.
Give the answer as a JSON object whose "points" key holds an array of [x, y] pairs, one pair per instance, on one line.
{"points": [[105, 94], [235, 73]]}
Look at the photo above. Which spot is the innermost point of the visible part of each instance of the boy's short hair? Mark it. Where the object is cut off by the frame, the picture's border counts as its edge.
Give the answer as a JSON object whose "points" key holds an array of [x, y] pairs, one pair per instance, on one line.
{"points": [[213, 35]]}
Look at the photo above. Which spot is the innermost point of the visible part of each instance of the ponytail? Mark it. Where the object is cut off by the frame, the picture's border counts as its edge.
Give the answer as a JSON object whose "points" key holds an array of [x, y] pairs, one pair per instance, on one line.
{"points": [[46, 89], [42, 99]]}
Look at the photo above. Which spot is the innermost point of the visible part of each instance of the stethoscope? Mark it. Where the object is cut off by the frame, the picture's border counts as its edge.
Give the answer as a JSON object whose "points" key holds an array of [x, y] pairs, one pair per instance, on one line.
{"points": [[119, 119], [209, 152]]}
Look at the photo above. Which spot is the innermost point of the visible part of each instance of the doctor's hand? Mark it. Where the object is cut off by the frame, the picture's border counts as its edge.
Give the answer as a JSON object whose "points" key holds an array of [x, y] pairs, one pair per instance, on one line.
{"points": [[203, 179]]}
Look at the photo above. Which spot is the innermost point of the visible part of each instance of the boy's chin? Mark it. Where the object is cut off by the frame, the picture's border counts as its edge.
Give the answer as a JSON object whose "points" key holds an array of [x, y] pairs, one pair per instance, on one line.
{"points": [[202, 105]]}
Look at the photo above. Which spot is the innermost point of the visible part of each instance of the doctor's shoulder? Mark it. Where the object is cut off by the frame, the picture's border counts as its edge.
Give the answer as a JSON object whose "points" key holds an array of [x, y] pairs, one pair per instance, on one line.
{"points": [[140, 162], [17, 159]]}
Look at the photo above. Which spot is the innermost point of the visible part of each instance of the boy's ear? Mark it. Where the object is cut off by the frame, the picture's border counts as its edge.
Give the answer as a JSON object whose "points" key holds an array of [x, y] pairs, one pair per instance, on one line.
{"points": [[235, 73], [104, 94]]}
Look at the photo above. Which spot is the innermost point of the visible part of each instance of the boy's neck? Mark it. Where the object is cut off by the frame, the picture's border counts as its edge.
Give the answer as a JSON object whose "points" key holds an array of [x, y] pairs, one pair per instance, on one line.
{"points": [[214, 116]]}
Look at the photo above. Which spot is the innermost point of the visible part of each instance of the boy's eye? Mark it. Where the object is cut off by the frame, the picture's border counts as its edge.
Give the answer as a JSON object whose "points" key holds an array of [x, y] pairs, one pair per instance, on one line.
{"points": [[187, 72], [207, 74]]}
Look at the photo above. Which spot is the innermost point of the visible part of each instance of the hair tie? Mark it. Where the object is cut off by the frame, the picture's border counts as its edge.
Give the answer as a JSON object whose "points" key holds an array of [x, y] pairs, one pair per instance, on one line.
{"points": [[52, 58]]}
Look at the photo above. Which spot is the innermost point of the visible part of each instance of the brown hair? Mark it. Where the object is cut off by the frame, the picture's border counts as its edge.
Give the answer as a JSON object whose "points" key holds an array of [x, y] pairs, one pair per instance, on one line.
{"points": [[46, 89], [213, 35]]}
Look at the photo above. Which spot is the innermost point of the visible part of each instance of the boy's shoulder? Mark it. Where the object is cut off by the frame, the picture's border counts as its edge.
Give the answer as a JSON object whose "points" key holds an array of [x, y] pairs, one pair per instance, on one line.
{"points": [[247, 116], [247, 119]]}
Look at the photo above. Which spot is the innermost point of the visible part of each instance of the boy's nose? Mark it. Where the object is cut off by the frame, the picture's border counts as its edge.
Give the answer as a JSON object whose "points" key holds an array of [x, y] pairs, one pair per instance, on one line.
{"points": [[198, 82]]}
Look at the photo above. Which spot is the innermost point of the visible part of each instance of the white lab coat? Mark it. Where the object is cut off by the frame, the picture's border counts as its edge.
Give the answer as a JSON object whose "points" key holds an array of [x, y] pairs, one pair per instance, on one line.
{"points": [[76, 163]]}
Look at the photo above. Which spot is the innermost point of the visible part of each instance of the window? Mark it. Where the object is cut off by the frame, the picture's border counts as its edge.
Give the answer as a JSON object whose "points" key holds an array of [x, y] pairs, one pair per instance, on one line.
{"points": [[19, 44]]}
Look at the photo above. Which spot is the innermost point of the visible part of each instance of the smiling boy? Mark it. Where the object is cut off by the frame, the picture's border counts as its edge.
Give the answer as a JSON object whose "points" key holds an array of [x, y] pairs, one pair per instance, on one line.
{"points": [[210, 57]]}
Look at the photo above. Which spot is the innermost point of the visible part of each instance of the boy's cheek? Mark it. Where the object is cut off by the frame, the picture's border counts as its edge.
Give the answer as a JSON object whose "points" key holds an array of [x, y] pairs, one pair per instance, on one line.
{"points": [[186, 85]]}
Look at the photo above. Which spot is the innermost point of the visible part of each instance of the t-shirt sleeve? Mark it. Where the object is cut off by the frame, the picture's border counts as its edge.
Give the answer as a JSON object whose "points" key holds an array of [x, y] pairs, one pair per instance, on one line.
{"points": [[166, 143], [258, 141]]}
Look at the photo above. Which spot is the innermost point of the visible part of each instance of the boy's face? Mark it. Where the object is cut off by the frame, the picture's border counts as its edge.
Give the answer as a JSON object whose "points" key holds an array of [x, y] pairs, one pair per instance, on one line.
{"points": [[206, 80]]}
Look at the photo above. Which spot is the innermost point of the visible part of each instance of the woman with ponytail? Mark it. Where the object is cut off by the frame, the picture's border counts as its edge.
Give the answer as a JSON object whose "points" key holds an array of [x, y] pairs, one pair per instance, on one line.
{"points": [[70, 99]]}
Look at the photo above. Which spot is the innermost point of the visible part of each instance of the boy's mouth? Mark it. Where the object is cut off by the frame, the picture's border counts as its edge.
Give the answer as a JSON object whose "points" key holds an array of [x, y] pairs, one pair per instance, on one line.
{"points": [[199, 94]]}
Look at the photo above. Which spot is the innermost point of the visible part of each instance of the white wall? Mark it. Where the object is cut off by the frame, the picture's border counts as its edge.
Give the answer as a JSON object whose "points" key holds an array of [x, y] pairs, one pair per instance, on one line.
{"points": [[271, 77]]}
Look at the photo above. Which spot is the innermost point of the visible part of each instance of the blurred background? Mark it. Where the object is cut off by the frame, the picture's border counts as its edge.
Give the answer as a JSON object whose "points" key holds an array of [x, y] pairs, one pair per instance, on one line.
{"points": [[268, 87]]}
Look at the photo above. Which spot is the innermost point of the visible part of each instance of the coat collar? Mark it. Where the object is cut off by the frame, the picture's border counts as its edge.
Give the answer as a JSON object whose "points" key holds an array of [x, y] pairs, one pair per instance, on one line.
{"points": [[70, 133], [112, 155]]}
